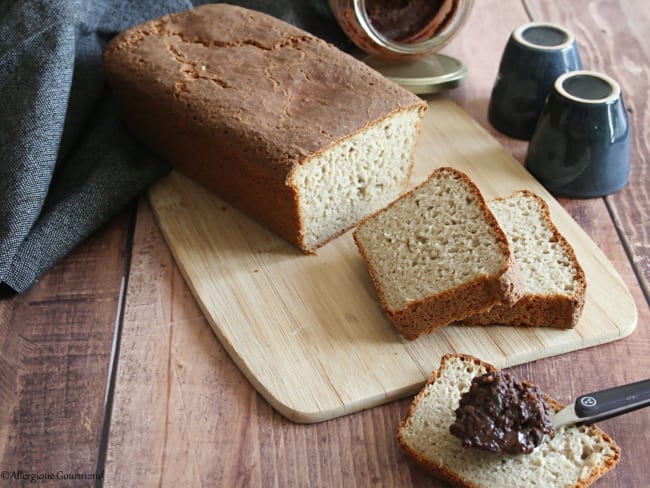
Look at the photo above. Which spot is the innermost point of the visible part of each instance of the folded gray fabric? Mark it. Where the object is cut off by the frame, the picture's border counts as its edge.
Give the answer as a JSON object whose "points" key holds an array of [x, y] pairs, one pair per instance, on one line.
{"points": [[67, 164]]}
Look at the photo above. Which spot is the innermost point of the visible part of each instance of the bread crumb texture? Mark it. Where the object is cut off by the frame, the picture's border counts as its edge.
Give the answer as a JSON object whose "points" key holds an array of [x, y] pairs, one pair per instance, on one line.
{"points": [[430, 241], [357, 177], [545, 261], [554, 282], [574, 457]]}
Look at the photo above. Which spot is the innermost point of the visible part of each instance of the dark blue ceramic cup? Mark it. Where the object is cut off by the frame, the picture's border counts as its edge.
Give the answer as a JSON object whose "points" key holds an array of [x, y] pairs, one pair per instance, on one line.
{"points": [[534, 56], [581, 145]]}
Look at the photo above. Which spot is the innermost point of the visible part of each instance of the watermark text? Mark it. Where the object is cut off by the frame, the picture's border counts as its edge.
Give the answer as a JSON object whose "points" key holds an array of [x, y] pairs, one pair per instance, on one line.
{"points": [[44, 477]]}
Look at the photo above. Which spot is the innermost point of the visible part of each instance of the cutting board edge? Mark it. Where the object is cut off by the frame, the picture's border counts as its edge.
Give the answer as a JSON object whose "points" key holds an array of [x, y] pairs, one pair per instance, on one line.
{"points": [[344, 406], [304, 416], [296, 414], [316, 415]]}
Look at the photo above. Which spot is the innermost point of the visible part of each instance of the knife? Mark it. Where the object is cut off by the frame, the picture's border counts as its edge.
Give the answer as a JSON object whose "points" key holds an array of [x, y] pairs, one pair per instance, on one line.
{"points": [[604, 404]]}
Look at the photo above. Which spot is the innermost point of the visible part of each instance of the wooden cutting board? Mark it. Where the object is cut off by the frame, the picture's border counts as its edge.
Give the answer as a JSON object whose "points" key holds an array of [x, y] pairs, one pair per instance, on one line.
{"points": [[308, 331]]}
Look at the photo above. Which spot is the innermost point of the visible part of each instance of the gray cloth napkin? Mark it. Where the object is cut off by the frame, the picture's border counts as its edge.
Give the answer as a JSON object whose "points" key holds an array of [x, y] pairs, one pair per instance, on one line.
{"points": [[67, 164]]}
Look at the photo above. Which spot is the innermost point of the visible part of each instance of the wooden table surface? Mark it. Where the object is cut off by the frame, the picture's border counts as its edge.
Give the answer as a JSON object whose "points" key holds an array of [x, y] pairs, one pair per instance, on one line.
{"points": [[107, 365]]}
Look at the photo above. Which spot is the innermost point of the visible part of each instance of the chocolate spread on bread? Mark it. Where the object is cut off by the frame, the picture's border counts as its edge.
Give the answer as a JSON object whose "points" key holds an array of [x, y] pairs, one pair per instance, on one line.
{"points": [[502, 414]]}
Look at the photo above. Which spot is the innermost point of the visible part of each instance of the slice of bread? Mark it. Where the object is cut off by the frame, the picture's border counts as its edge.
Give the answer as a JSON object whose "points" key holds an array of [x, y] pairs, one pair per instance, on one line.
{"points": [[437, 255], [574, 457], [554, 282]]}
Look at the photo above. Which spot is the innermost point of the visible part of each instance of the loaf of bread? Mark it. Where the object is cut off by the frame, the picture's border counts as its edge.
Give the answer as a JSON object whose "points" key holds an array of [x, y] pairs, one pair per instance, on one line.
{"points": [[554, 282], [438, 255], [575, 457], [295, 133]]}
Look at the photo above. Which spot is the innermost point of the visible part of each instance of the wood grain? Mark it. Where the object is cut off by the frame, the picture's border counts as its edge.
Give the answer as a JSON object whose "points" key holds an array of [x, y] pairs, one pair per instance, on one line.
{"points": [[297, 325], [185, 415], [55, 348], [603, 35], [190, 418], [612, 37], [196, 418]]}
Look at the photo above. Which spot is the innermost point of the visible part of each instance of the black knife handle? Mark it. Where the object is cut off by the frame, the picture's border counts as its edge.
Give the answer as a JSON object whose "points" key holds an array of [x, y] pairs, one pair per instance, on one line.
{"points": [[612, 402]]}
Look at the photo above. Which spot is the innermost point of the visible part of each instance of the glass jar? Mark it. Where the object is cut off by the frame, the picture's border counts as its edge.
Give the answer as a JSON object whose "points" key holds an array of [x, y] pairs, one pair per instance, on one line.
{"points": [[401, 30]]}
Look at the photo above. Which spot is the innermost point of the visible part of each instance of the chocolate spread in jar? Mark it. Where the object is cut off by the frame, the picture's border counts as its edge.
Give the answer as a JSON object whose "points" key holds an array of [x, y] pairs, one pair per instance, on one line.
{"points": [[410, 21], [502, 414]]}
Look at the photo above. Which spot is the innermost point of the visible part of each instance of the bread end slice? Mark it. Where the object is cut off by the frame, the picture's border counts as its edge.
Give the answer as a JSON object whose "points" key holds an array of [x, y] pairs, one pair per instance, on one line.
{"points": [[554, 282], [575, 457]]}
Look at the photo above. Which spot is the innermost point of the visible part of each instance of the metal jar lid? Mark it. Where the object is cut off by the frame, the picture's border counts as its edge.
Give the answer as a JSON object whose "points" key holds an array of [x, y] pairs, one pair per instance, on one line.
{"points": [[430, 74]]}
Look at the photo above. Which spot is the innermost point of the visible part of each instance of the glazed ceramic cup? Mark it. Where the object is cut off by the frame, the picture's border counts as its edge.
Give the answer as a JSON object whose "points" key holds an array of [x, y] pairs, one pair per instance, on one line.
{"points": [[581, 145], [534, 56]]}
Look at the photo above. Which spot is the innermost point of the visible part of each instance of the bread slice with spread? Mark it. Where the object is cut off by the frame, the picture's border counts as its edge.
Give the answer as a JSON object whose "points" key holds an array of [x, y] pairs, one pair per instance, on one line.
{"points": [[575, 457]]}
